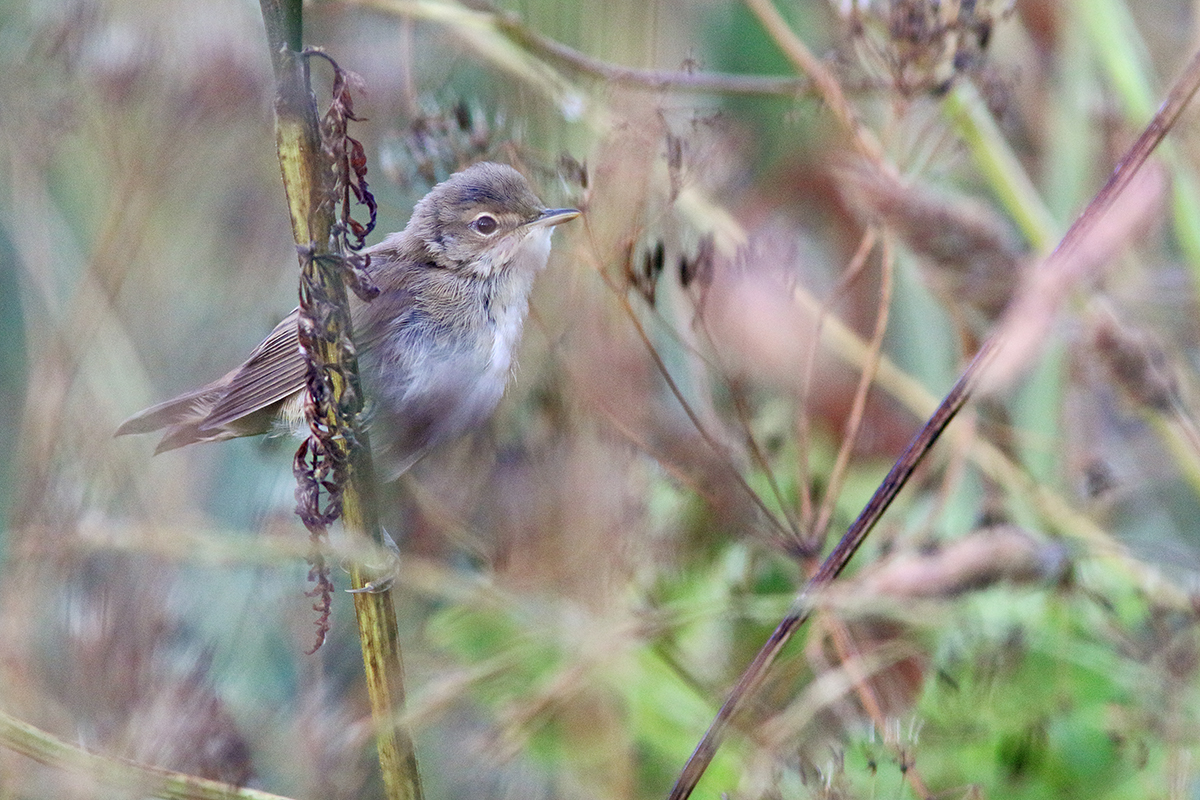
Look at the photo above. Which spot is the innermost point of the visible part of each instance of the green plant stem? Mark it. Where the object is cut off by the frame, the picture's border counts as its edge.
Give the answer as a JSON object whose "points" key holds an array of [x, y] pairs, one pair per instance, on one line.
{"points": [[1000, 166], [1121, 51], [141, 779], [305, 176]]}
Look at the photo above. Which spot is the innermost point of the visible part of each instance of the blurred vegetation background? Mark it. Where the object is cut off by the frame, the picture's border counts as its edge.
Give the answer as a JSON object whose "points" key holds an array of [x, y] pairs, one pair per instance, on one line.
{"points": [[686, 433]]}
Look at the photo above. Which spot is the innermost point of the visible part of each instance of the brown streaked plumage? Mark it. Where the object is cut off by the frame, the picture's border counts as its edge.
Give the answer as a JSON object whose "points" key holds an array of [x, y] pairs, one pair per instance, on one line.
{"points": [[435, 347]]}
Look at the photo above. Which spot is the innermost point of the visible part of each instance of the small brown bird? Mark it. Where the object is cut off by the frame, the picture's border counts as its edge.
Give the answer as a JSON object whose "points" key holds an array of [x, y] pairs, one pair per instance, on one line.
{"points": [[435, 346]]}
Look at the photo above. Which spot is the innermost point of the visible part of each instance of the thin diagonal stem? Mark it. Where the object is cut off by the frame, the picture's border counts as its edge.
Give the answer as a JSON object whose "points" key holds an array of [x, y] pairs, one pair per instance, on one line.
{"points": [[754, 675], [804, 433], [824, 81], [699, 425], [760, 458], [137, 779], [837, 475]]}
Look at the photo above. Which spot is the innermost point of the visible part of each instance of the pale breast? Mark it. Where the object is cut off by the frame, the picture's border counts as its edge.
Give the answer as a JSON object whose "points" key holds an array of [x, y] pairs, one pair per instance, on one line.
{"points": [[437, 362], [511, 301]]}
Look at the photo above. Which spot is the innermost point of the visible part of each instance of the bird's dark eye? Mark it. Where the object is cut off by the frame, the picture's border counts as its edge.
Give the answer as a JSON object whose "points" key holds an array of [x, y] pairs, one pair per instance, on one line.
{"points": [[485, 224]]}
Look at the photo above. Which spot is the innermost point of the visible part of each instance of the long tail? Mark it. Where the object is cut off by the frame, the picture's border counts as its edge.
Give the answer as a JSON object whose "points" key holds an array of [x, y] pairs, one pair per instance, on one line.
{"points": [[182, 417]]}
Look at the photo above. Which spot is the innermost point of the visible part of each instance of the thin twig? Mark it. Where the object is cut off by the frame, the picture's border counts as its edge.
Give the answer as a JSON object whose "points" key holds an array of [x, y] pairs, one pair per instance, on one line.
{"points": [[1024, 324], [803, 425], [700, 427], [756, 452], [755, 674], [760, 459], [137, 779], [543, 47], [824, 81], [709, 439], [837, 475], [660, 80]]}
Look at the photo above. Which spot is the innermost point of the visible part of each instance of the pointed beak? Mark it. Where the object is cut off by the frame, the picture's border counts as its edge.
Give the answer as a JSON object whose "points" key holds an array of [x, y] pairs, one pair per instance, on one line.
{"points": [[553, 216]]}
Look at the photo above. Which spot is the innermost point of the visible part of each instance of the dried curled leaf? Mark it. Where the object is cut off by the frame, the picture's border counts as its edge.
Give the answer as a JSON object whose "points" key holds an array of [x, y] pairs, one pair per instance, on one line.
{"points": [[347, 158], [333, 398], [441, 141]]}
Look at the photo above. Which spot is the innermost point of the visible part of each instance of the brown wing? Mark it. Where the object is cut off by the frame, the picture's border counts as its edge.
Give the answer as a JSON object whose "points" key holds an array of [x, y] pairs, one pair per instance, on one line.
{"points": [[239, 403], [273, 372], [244, 402]]}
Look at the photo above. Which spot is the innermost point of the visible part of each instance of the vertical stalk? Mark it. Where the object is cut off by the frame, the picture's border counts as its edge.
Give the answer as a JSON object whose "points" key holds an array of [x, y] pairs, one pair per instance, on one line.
{"points": [[306, 177]]}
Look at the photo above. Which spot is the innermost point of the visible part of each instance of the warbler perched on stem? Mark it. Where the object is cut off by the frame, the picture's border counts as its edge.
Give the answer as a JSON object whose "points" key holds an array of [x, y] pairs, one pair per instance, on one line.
{"points": [[435, 346]]}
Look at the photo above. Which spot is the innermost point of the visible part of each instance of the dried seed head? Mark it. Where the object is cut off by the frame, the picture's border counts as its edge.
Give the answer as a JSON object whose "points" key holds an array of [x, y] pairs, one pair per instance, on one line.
{"points": [[440, 142], [923, 46], [1137, 364], [968, 251]]}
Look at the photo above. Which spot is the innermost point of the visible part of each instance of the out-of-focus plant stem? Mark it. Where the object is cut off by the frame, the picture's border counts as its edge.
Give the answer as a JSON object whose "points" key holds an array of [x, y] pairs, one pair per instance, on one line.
{"points": [[141, 779], [1121, 51], [825, 82], [305, 177], [999, 164]]}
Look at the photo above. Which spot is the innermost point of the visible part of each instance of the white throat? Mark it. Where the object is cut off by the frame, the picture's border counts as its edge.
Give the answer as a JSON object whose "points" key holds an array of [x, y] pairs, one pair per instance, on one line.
{"points": [[512, 297]]}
